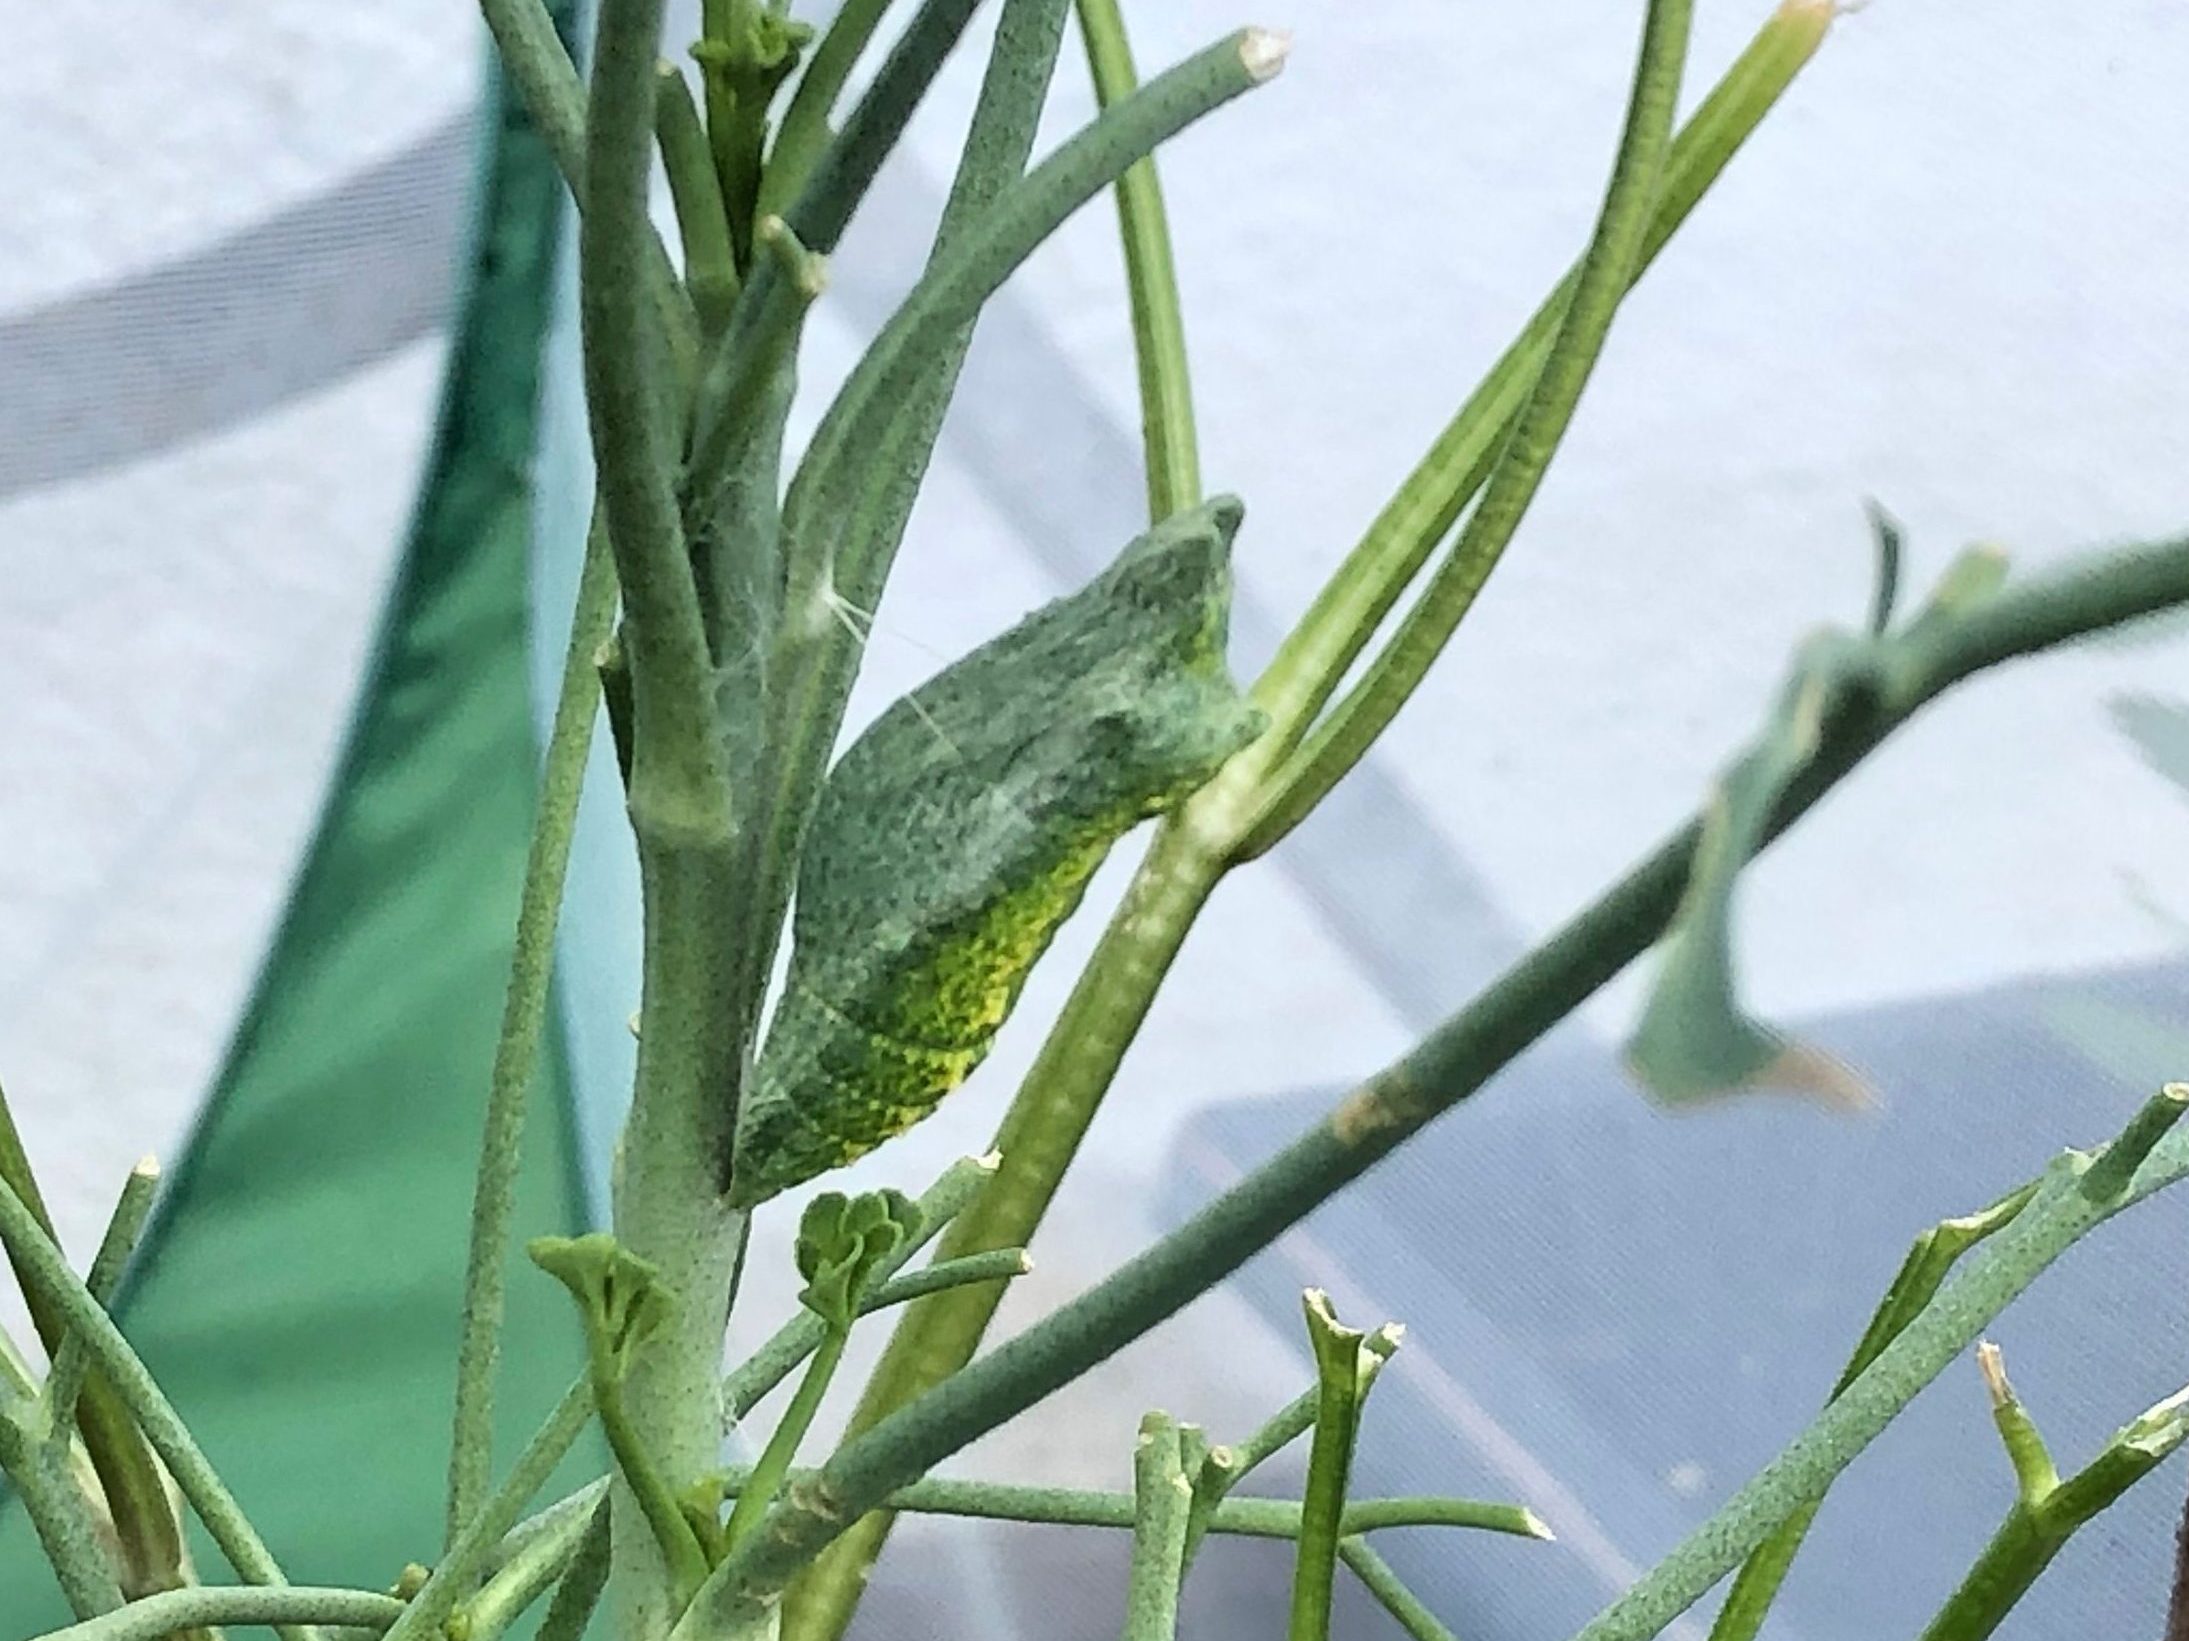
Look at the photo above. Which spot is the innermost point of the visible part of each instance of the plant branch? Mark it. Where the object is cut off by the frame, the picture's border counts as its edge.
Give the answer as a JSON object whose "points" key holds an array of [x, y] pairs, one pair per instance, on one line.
{"points": [[1162, 1504], [1444, 1069], [524, 1576], [60, 1515], [1151, 277], [1607, 270], [45, 1271], [1377, 1576], [703, 222], [524, 1019], [72, 1362], [129, 1478], [1930, 1258], [158, 1616], [426, 1611], [803, 132], [1351, 607], [801, 1336]]}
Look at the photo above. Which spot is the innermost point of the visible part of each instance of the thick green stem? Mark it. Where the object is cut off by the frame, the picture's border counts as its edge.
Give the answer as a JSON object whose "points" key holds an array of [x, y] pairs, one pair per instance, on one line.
{"points": [[1162, 1501], [1151, 278], [1445, 1068], [524, 1019]]}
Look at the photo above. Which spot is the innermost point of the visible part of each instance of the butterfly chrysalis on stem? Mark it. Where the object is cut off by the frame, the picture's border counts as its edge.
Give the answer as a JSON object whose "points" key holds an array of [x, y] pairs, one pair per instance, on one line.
{"points": [[959, 832]]}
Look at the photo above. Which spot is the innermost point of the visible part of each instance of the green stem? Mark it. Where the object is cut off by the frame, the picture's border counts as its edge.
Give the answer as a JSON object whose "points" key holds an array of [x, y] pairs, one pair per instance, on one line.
{"points": [[521, 1580], [769, 1475], [1378, 1578], [1930, 1258], [1440, 1072], [1344, 1369], [158, 1616], [642, 1477], [437, 1598], [1607, 270], [524, 1019], [2037, 1529], [72, 1362], [1151, 277], [538, 64], [776, 1360], [1162, 1501], [803, 132], [60, 1515], [579, 1592], [1041, 1134], [703, 222], [801, 1336], [1351, 607], [129, 1478], [679, 790], [45, 1272]]}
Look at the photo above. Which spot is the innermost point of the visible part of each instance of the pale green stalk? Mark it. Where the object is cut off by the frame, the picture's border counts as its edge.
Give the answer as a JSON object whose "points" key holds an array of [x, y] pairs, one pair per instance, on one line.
{"points": [[1352, 605], [438, 1597], [1386, 1586], [45, 1271], [129, 1479], [1151, 280], [579, 1593], [165, 1614], [524, 1576], [72, 1362], [703, 222], [1345, 1368], [40, 1476], [1162, 1501], [524, 1020], [803, 132]]}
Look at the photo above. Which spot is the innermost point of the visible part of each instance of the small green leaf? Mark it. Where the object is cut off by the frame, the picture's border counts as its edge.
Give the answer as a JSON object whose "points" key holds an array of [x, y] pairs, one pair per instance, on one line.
{"points": [[960, 831], [842, 1242], [1695, 1039], [620, 1295]]}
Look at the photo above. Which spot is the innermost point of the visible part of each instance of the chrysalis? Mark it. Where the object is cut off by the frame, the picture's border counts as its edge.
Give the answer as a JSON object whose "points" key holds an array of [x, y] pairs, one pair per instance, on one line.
{"points": [[958, 833]]}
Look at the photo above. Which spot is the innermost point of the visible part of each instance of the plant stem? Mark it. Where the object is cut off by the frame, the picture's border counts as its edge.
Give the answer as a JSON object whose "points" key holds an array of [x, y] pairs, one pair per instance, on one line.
{"points": [[1352, 605], [1386, 1586], [524, 1019], [1344, 1369], [1041, 1134], [158, 1616], [801, 1336], [692, 1041], [533, 55], [2041, 1522], [426, 1611], [129, 1478], [525, 1576], [1930, 1258], [1444, 1069], [60, 1515], [71, 1363], [46, 1272], [1151, 277], [1162, 1498], [803, 131], [703, 222], [1607, 270], [582, 1583], [768, 1476]]}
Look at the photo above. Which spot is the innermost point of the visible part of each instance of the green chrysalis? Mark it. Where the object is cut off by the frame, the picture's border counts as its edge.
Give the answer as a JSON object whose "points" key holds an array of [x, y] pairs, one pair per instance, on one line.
{"points": [[961, 829]]}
